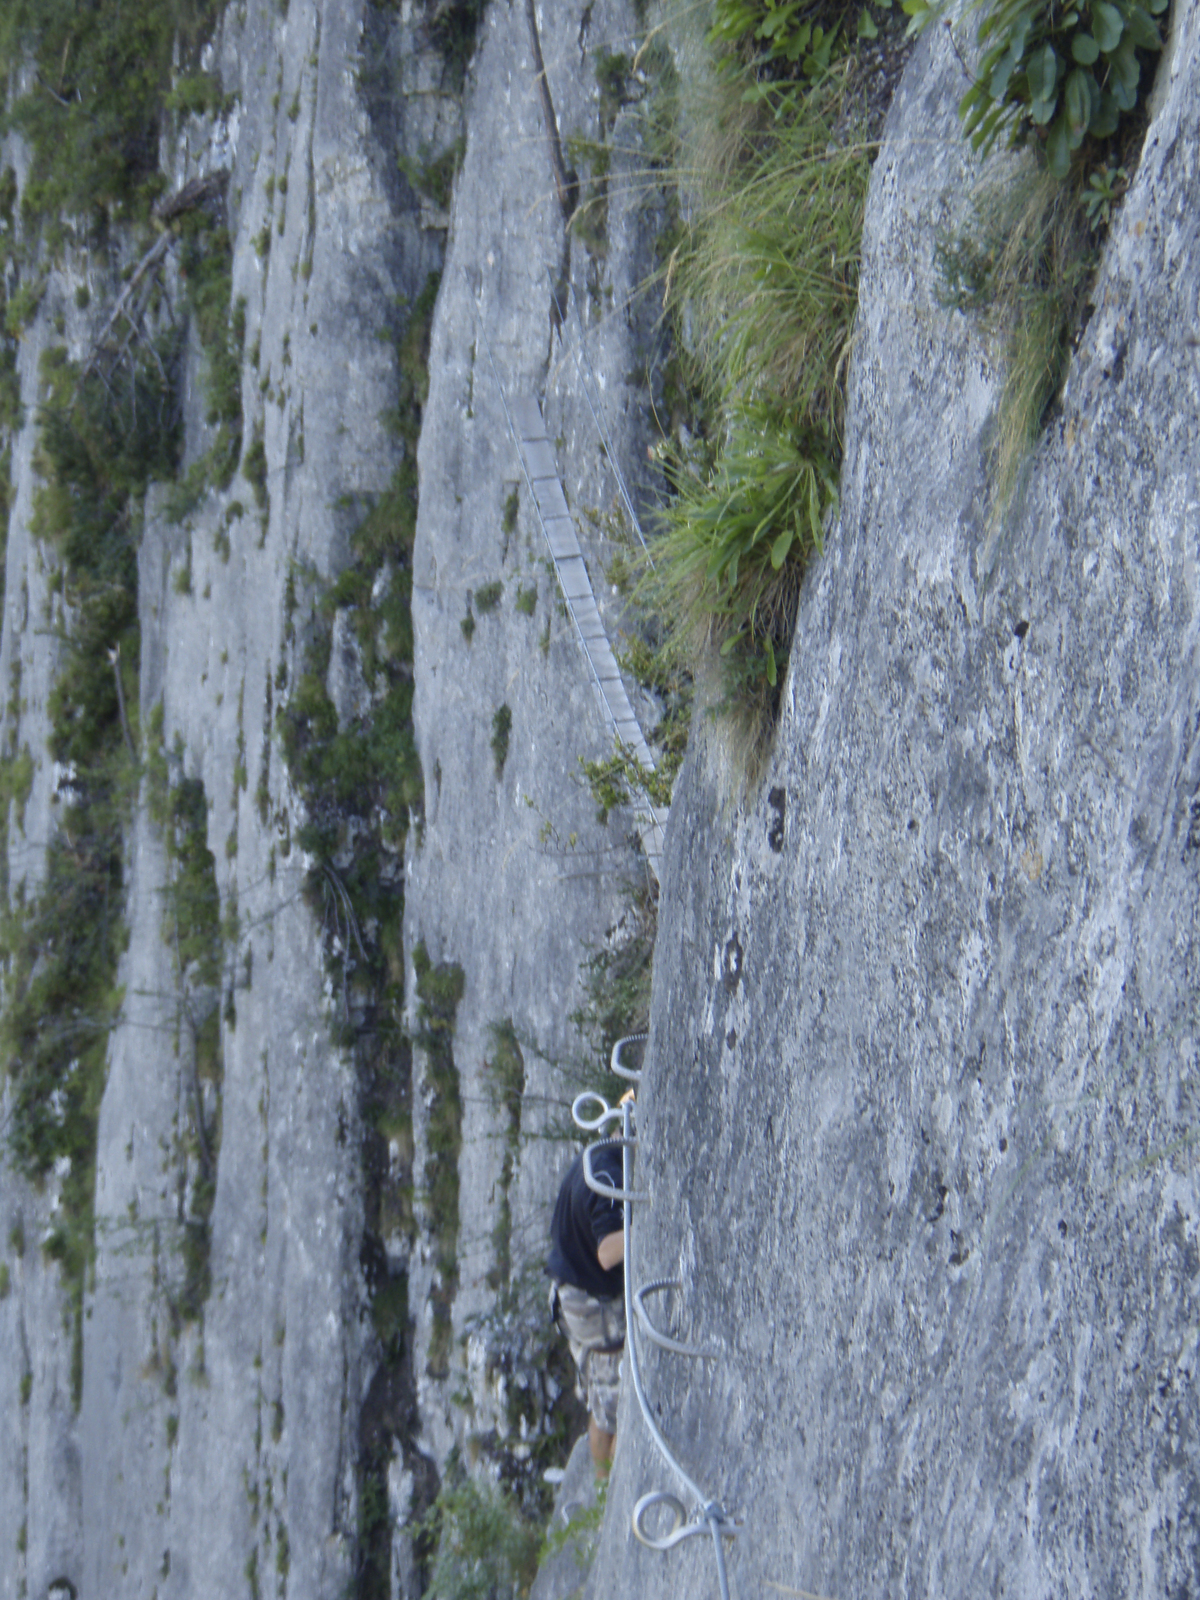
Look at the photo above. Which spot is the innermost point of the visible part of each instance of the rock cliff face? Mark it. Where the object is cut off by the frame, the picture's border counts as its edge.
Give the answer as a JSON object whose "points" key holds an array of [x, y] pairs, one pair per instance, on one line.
{"points": [[920, 1118], [178, 1473], [231, 1411], [513, 878], [920, 1111]]}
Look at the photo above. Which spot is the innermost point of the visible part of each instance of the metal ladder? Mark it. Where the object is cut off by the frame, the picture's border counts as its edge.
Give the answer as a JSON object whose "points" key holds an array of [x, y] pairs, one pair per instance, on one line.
{"points": [[540, 470]]}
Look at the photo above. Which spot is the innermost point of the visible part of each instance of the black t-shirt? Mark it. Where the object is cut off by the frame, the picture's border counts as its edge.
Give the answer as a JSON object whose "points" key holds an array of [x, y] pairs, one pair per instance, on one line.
{"points": [[581, 1219]]}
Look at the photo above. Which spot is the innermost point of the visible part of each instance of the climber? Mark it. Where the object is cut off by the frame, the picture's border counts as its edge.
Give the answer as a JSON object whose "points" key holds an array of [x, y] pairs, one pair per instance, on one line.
{"points": [[587, 1299]]}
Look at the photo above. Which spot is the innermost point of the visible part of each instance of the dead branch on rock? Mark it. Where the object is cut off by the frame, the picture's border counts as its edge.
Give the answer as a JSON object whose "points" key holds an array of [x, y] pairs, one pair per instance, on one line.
{"points": [[114, 656], [200, 192]]}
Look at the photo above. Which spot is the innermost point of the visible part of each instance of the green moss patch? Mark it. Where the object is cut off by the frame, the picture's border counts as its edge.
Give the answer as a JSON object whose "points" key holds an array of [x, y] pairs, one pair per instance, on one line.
{"points": [[505, 1087], [101, 440]]}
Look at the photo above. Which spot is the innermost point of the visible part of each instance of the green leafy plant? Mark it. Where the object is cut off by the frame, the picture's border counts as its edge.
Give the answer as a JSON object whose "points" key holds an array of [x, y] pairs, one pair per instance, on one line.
{"points": [[363, 788], [621, 780], [452, 32], [613, 72], [616, 984], [368, 769], [102, 438], [580, 1532], [505, 1089], [654, 667], [868, 28], [22, 305], [206, 272], [1024, 262], [192, 930], [439, 990], [592, 160], [194, 94], [1105, 187], [732, 534], [96, 98], [488, 598], [484, 1548], [774, 34], [254, 467], [1058, 74], [433, 176]]}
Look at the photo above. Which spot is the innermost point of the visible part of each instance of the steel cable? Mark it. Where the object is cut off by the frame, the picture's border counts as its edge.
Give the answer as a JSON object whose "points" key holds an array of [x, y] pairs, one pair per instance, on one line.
{"points": [[713, 1519]]}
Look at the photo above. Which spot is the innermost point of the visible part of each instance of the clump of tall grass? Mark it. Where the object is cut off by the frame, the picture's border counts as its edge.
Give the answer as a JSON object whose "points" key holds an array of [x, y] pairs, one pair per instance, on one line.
{"points": [[1025, 262], [762, 287]]}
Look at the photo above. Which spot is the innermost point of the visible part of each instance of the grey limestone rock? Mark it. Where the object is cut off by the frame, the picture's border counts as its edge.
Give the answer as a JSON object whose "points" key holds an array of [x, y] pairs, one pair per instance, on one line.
{"points": [[346, 684], [919, 1121], [217, 1446], [212, 1447], [512, 877], [571, 1528], [921, 1103]]}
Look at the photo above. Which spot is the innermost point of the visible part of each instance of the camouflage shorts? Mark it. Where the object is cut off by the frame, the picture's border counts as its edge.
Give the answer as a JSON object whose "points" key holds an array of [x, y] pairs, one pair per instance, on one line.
{"points": [[595, 1330]]}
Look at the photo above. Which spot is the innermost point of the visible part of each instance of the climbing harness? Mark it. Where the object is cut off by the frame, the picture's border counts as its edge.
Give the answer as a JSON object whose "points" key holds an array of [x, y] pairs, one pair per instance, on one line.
{"points": [[710, 1518]]}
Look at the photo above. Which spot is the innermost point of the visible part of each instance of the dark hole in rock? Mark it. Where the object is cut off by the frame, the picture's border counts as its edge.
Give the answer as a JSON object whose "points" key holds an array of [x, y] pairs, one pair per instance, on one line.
{"points": [[778, 803]]}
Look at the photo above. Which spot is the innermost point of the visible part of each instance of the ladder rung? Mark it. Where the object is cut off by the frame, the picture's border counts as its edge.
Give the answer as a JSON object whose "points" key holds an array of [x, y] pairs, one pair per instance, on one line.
{"points": [[539, 458], [527, 417], [560, 531], [552, 502], [573, 576]]}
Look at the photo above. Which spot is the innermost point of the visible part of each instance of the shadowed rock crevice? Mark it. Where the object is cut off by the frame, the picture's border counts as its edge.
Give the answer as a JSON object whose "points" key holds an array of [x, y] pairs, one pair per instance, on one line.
{"points": [[566, 184]]}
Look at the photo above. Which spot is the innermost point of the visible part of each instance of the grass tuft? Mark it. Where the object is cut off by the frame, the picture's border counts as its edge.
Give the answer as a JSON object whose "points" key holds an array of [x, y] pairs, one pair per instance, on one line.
{"points": [[1025, 261], [762, 288]]}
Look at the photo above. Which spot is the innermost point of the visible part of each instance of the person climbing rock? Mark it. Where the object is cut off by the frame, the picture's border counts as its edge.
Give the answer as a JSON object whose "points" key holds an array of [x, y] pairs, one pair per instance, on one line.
{"points": [[587, 1300]]}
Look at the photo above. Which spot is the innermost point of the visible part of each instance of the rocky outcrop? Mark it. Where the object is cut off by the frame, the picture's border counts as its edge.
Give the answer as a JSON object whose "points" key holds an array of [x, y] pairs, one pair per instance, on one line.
{"points": [[236, 1406], [218, 1439], [512, 877], [920, 1107], [920, 1117]]}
